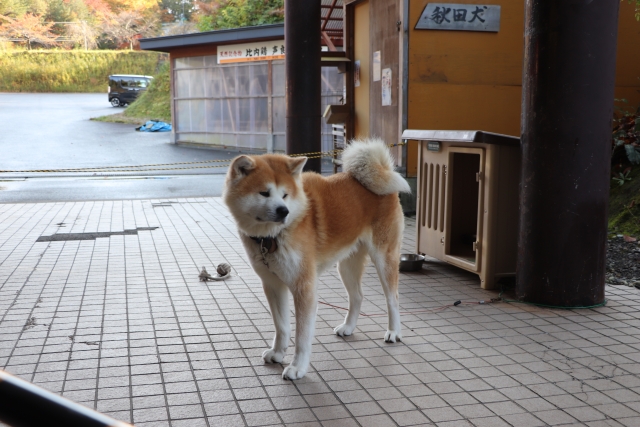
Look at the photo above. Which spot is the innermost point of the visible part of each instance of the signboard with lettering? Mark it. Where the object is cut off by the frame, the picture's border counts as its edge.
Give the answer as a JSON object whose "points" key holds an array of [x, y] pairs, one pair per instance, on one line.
{"points": [[245, 52], [460, 17], [433, 146]]}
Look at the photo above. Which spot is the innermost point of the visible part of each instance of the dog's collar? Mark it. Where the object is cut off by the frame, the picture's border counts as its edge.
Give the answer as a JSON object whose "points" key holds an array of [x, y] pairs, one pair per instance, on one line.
{"points": [[268, 245]]}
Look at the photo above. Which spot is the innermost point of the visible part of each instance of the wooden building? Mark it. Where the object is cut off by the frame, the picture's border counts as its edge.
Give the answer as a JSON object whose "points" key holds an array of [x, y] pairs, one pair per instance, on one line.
{"points": [[447, 79], [228, 86]]}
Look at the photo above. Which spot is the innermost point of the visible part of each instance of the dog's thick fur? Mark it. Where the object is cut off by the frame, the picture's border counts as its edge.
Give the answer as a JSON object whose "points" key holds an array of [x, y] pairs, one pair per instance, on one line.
{"points": [[318, 221]]}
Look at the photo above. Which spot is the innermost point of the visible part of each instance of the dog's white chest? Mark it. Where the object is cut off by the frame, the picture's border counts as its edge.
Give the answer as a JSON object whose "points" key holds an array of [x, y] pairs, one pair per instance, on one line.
{"points": [[285, 263]]}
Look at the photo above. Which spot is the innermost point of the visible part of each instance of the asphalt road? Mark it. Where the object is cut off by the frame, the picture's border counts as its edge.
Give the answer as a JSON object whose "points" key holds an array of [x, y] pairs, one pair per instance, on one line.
{"points": [[53, 131]]}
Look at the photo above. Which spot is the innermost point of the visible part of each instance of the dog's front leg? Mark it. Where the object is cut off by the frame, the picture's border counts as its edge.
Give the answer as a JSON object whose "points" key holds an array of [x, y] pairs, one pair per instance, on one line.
{"points": [[305, 301], [278, 296]]}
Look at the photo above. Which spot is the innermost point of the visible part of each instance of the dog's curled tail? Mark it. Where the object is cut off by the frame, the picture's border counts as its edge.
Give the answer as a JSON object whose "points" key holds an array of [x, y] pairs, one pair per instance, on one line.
{"points": [[369, 162]]}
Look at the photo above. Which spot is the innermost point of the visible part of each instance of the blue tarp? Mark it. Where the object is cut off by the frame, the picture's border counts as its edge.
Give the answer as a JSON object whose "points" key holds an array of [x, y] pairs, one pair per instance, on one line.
{"points": [[154, 126]]}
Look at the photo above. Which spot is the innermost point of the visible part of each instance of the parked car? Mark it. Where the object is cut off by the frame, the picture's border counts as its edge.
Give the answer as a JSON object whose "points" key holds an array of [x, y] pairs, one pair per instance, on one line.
{"points": [[125, 88]]}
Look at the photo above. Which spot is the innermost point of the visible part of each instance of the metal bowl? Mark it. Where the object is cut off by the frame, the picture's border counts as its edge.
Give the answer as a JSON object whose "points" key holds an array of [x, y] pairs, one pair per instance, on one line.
{"points": [[411, 262]]}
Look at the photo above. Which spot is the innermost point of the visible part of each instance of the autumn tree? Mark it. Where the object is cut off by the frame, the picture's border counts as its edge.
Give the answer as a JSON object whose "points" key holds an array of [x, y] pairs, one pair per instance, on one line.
{"points": [[99, 8], [177, 10], [66, 11], [83, 33], [28, 28], [179, 27], [127, 27], [220, 14], [83, 23], [13, 8], [146, 7]]}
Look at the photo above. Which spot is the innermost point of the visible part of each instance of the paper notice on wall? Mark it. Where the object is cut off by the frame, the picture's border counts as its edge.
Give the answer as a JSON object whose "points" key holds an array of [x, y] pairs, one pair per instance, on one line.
{"points": [[376, 66], [386, 86], [356, 73]]}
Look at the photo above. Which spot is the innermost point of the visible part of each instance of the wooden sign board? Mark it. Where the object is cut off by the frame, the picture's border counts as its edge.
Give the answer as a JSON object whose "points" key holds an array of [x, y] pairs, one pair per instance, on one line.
{"points": [[460, 17], [246, 52]]}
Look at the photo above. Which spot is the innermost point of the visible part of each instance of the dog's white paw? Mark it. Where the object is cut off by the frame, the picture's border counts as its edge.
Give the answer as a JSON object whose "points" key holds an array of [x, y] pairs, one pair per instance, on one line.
{"points": [[272, 356], [343, 330], [293, 373], [392, 336]]}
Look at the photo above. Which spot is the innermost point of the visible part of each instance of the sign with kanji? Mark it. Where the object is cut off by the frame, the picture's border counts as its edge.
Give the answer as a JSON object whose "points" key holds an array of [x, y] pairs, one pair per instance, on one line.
{"points": [[460, 17], [246, 52]]}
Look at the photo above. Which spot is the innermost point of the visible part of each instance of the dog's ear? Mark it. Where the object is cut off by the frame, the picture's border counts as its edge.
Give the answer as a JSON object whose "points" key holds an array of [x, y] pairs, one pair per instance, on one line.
{"points": [[242, 165], [296, 164]]}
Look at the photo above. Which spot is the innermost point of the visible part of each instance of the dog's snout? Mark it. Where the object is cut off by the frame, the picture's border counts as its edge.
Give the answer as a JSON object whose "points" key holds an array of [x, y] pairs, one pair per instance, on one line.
{"points": [[282, 212]]}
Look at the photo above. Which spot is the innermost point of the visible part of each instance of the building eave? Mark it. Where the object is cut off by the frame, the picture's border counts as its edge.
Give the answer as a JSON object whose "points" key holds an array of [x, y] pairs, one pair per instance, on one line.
{"points": [[218, 37]]}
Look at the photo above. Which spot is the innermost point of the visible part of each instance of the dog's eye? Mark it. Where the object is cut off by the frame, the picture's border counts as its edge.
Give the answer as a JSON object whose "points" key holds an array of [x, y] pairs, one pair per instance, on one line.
{"points": [[285, 196], [264, 193]]}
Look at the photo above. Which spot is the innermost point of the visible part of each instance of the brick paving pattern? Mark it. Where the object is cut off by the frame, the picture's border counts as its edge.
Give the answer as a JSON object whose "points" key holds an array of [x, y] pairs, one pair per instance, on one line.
{"points": [[122, 325]]}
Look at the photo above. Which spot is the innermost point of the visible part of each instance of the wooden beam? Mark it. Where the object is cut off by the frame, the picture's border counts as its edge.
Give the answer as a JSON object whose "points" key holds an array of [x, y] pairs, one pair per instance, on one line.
{"points": [[567, 97], [328, 42], [303, 80]]}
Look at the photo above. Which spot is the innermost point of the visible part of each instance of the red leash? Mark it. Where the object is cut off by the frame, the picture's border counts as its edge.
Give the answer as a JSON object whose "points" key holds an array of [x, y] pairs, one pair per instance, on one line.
{"points": [[433, 310]]}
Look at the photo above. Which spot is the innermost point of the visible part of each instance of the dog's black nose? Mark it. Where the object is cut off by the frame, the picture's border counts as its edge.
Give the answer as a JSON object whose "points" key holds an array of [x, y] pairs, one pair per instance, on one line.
{"points": [[282, 212]]}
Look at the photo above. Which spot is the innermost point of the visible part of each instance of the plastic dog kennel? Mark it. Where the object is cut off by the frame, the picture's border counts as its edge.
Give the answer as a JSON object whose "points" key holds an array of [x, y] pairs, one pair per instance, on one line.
{"points": [[467, 201]]}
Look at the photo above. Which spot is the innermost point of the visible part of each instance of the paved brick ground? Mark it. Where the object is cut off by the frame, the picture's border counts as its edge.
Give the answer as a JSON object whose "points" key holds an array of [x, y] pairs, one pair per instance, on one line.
{"points": [[122, 325]]}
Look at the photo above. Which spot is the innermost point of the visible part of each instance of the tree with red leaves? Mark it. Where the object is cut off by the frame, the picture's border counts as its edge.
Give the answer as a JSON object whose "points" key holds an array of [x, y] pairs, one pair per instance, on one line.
{"points": [[28, 28]]}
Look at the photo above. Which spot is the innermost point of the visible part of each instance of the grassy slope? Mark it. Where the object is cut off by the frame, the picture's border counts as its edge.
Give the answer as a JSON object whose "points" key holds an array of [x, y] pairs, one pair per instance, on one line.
{"points": [[70, 71], [153, 104], [624, 206], [156, 101]]}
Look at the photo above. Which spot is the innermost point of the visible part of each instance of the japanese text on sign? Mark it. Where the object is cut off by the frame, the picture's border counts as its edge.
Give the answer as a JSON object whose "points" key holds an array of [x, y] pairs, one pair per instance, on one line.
{"points": [[259, 51], [461, 17]]}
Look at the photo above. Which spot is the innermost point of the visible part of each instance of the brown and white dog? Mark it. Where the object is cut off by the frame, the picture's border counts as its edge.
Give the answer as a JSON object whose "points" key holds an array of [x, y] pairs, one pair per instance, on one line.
{"points": [[295, 225]]}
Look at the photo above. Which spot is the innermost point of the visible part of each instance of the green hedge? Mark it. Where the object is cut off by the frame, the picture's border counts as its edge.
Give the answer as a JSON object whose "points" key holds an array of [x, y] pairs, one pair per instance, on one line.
{"points": [[71, 71]]}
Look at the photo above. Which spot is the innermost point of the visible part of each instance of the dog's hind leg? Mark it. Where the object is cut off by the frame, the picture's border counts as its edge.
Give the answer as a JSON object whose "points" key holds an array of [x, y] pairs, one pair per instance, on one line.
{"points": [[350, 270], [277, 294], [386, 262]]}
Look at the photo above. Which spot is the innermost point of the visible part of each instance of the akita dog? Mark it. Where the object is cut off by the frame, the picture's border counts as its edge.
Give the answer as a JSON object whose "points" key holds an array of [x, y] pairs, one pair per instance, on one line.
{"points": [[294, 225]]}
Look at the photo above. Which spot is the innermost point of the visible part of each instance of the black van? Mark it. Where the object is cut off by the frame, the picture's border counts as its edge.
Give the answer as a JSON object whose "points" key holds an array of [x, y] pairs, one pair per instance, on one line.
{"points": [[125, 88]]}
